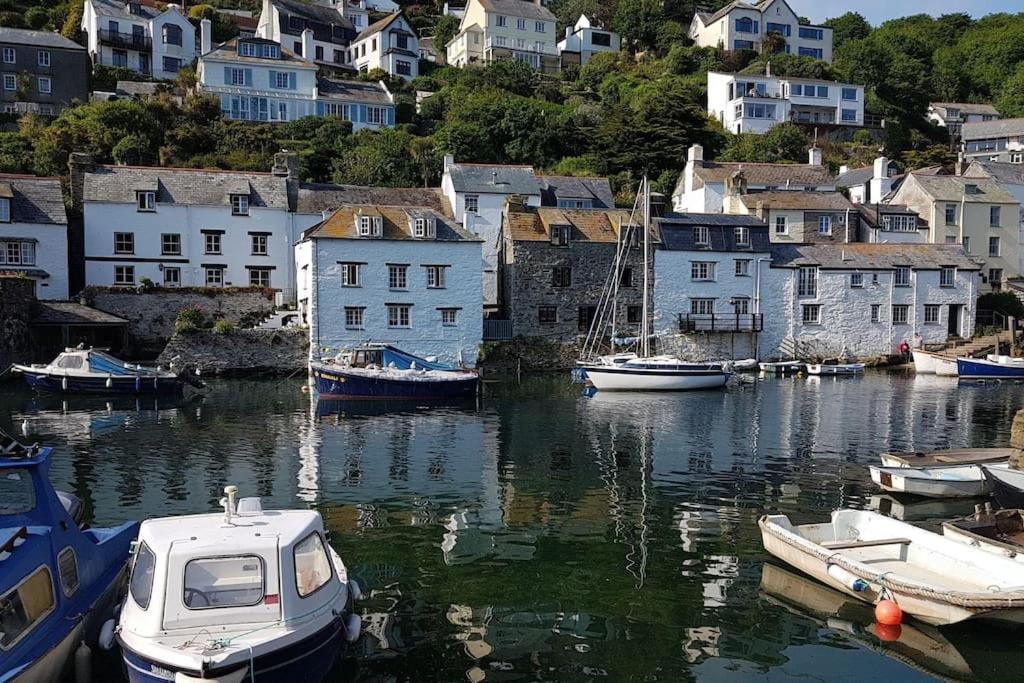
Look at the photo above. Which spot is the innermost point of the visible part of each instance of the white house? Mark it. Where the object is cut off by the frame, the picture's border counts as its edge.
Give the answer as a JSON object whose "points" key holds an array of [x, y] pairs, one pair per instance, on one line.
{"points": [[753, 104], [333, 27], [492, 30], [397, 274], [584, 39], [1000, 140], [701, 187], [744, 26], [139, 36], [952, 115], [891, 223], [1010, 178], [868, 184], [34, 233], [188, 227], [390, 44]]}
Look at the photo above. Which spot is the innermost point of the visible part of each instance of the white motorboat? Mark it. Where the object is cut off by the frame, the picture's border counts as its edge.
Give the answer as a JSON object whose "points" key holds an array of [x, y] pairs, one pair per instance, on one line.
{"points": [[873, 557], [835, 369], [950, 458], [249, 594], [785, 367], [963, 481], [945, 367]]}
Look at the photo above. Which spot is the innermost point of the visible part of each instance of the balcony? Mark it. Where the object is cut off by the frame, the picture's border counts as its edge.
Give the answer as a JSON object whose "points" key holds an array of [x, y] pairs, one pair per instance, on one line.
{"points": [[503, 43], [127, 41], [725, 322]]}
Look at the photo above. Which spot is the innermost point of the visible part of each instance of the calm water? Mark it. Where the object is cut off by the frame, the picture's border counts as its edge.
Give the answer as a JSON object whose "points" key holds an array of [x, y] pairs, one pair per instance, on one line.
{"points": [[544, 535]]}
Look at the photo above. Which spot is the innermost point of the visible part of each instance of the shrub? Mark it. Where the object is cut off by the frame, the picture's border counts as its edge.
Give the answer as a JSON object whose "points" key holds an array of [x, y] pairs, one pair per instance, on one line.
{"points": [[224, 327], [189, 320]]}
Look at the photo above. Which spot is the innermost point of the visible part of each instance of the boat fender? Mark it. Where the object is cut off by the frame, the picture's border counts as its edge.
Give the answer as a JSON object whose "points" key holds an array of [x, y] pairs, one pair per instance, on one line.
{"points": [[155, 381], [110, 382], [106, 639], [354, 590], [138, 383], [854, 583], [64, 384], [353, 626], [83, 664]]}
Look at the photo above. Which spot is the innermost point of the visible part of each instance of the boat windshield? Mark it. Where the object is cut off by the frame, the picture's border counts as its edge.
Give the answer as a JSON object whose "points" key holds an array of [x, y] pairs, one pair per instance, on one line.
{"points": [[69, 361], [16, 493], [223, 582], [366, 357]]}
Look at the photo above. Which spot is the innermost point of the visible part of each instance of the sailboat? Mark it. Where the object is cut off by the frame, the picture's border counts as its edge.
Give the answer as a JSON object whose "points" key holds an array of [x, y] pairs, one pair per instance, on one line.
{"points": [[641, 372]]}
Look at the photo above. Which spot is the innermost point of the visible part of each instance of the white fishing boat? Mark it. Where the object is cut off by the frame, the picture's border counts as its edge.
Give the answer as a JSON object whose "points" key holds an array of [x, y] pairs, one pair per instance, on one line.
{"points": [[949, 458], [945, 367], [873, 557], [835, 368], [785, 367], [964, 481], [925, 361], [249, 594], [996, 531]]}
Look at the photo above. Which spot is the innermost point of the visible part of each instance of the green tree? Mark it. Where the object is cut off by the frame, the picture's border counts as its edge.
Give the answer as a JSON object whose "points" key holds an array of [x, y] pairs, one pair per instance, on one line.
{"points": [[1011, 97], [847, 27], [37, 17], [638, 21], [379, 158], [446, 28], [134, 150]]}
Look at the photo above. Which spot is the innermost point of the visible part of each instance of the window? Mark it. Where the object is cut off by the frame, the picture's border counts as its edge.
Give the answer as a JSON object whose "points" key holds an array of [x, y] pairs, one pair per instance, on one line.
{"points": [[214, 276], [350, 275], [120, 58], [521, 24], [172, 34], [824, 225], [397, 276], [807, 281], [212, 242], [993, 246], [950, 214], [172, 64], [235, 77], [402, 41], [741, 306], [742, 267], [759, 110], [449, 316], [702, 236], [856, 280], [436, 277], [561, 276], [67, 569], [172, 277], [746, 25], [702, 306], [811, 33], [398, 315], [547, 315], [124, 275], [5, 210], [850, 94], [814, 52], [811, 314], [781, 228], [124, 243], [541, 27], [472, 203], [318, 53], [18, 253], [781, 29], [967, 244], [170, 244], [993, 216], [9, 55], [215, 582], [43, 84], [560, 235], [259, 244], [10, 82], [742, 237], [743, 45], [876, 313], [259, 277], [702, 271], [423, 227], [239, 205], [1017, 158], [931, 314], [899, 223], [23, 607], [901, 276], [995, 276], [146, 201], [295, 23], [585, 317], [403, 68], [626, 279], [375, 115], [849, 115], [634, 314], [500, 20], [947, 276], [354, 317], [900, 314]]}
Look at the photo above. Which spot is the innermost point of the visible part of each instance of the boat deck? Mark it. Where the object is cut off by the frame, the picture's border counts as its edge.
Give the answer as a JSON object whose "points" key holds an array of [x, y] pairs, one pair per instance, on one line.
{"points": [[893, 558]]}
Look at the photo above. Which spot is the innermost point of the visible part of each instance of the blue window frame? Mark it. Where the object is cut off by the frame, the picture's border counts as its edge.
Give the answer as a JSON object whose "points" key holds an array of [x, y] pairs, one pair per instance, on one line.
{"points": [[743, 45], [850, 115], [850, 94], [782, 29], [811, 33], [815, 52], [746, 25]]}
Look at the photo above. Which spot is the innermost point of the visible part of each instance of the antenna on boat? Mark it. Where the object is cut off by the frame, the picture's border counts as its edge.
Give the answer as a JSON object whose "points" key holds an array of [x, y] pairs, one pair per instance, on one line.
{"points": [[229, 503]]}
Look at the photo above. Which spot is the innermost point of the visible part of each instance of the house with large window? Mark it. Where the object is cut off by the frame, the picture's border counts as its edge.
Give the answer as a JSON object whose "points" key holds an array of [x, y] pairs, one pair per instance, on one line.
{"points": [[997, 140], [404, 275], [493, 30], [743, 25], [390, 44], [953, 115], [333, 28], [139, 36], [34, 233], [745, 103], [975, 212], [43, 72], [584, 39], [796, 217], [891, 223]]}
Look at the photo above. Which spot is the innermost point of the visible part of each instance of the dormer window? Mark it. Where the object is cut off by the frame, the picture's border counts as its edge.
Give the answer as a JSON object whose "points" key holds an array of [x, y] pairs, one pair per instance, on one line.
{"points": [[423, 228], [135, 8], [266, 50], [239, 205], [970, 188], [5, 210], [560, 235], [370, 226], [295, 23], [146, 200]]}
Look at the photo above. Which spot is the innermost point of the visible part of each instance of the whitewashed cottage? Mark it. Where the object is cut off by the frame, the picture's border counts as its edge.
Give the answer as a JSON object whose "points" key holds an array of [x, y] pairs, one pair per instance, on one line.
{"points": [[34, 233], [390, 44]]}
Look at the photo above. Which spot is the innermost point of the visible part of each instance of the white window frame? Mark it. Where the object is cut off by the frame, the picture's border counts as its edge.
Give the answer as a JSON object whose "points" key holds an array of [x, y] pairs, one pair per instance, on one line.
{"points": [[10, 82], [702, 271], [126, 273], [932, 314], [810, 314], [436, 277], [214, 239], [399, 316], [807, 281], [994, 240], [901, 276], [355, 317], [702, 236], [10, 55], [449, 317], [213, 276], [783, 223], [239, 205], [857, 280], [398, 276], [472, 203], [176, 280], [145, 200], [947, 276], [742, 267], [825, 225], [900, 314], [259, 244], [876, 313], [259, 277], [351, 275], [702, 306], [742, 236], [5, 210], [124, 242]]}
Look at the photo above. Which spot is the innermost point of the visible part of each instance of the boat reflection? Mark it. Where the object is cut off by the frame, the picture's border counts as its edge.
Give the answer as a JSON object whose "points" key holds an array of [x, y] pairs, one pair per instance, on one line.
{"points": [[916, 509], [358, 408]]}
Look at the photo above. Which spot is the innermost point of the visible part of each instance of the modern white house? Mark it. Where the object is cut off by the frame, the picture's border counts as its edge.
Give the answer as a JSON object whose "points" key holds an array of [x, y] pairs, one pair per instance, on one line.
{"points": [[584, 39], [744, 26], [390, 44], [701, 186], [404, 275], [139, 36], [333, 26], [868, 184], [34, 233], [493, 30], [746, 103], [998, 140], [952, 115]]}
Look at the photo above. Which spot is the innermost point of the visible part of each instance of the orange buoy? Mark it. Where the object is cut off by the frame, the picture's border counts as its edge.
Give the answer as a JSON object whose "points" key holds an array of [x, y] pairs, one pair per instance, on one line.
{"points": [[888, 613], [888, 633]]}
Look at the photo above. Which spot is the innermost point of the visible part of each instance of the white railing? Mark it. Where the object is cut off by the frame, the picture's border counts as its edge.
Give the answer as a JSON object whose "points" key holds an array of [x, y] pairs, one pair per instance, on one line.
{"points": [[503, 43]]}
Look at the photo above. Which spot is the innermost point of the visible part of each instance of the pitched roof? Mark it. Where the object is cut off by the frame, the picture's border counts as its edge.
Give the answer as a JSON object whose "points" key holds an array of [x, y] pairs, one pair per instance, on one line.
{"points": [[872, 213], [519, 8], [494, 179], [806, 175], [22, 36], [377, 26], [34, 199], [976, 130], [950, 188], [71, 313], [314, 198], [311, 11], [369, 92], [677, 232], [592, 225], [1009, 174], [396, 224], [966, 107], [797, 201], [119, 8], [871, 256], [229, 50], [598, 190], [855, 176], [184, 186]]}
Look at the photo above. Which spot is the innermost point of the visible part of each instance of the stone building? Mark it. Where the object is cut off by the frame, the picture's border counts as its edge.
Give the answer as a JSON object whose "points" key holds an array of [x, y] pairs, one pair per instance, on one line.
{"points": [[43, 72], [795, 217]]}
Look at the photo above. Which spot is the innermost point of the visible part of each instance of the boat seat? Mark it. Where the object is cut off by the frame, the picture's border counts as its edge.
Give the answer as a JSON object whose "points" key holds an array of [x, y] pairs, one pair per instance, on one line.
{"points": [[845, 545]]}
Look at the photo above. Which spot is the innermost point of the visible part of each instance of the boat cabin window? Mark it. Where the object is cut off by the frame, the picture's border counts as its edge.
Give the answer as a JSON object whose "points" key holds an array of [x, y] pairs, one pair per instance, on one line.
{"points": [[312, 565], [67, 568], [368, 357], [213, 582], [70, 362], [16, 494], [141, 585], [23, 607]]}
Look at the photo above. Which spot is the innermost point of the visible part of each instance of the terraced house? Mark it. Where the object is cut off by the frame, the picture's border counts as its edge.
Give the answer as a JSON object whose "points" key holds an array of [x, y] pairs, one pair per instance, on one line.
{"points": [[741, 25], [43, 73], [34, 233], [493, 30]]}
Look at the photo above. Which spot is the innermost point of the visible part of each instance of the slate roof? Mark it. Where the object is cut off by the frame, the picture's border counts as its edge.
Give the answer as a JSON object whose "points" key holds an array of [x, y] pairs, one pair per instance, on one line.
{"points": [[310, 11], [118, 8], [555, 187], [860, 256], [797, 200], [138, 88], [804, 175], [377, 26], [979, 130], [34, 199], [855, 176], [314, 198], [342, 224], [872, 213], [353, 91], [966, 108], [591, 225], [71, 313], [1009, 174], [519, 8], [229, 50], [677, 232], [949, 188], [184, 186], [494, 179], [20, 36]]}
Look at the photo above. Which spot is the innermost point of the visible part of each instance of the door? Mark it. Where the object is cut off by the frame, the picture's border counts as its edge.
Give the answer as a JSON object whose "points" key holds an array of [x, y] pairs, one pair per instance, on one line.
{"points": [[954, 319]]}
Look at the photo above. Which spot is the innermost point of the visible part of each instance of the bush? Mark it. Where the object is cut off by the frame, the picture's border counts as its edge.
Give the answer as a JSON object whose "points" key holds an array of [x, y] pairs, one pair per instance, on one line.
{"points": [[189, 320], [224, 327]]}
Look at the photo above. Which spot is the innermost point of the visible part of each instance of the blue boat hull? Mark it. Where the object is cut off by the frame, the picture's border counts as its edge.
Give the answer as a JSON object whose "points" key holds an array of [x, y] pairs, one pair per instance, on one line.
{"points": [[335, 384], [309, 661], [975, 369], [121, 386]]}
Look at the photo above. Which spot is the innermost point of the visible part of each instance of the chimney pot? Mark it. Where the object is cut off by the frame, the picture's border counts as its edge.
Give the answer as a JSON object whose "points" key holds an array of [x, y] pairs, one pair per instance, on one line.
{"points": [[814, 156], [696, 153], [205, 36], [449, 161], [308, 51], [286, 165]]}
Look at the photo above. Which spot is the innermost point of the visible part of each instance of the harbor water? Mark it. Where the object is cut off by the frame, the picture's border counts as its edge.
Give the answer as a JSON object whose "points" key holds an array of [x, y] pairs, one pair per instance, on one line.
{"points": [[543, 534]]}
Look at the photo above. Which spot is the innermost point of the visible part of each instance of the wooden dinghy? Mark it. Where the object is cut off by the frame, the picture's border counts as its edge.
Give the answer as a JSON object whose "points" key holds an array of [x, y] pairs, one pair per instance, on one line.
{"points": [[957, 456], [1007, 485], [873, 557], [965, 481], [996, 531]]}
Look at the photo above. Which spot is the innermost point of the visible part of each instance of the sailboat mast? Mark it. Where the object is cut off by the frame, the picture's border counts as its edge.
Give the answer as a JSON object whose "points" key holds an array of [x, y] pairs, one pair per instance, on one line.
{"points": [[644, 331]]}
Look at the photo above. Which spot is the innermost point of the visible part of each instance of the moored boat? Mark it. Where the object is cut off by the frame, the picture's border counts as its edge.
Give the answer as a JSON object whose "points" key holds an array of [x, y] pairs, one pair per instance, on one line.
{"points": [[742, 365], [1005, 368], [924, 361], [945, 367], [92, 371], [835, 368], [872, 557], [997, 531], [381, 371], [948, 458], [963, 481], [785, 367], [1007, 486], [657, 374]]}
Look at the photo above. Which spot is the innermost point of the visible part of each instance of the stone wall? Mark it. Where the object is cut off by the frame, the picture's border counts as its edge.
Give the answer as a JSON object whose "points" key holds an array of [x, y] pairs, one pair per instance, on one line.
{"points": [[240, 352], [151, 314], [17, 296], [527, 355]]}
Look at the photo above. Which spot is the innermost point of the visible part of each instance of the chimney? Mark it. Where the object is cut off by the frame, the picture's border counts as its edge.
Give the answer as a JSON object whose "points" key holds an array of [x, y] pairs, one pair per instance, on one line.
{"points": [[814, 154], [843, 169], [768, 68], [79, 163], [736, 184], [449, 161], [880, 184], [658, 203], [308, 52], [286, 165], [696, 153], [205, 36]]}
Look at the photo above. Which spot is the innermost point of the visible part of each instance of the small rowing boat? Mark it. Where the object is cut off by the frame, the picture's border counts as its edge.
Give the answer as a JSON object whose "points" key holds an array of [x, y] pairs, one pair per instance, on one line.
{"points": [[924, 361], [997, 531], [785, 367], [958, 456], [873, 557], [1007, 485], [964, 481], [835, 369]]}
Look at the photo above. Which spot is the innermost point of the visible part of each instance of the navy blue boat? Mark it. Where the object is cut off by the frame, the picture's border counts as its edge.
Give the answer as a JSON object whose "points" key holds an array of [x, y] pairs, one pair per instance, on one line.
{"points": [[1003, 368], [91, 371], [59, 583], [380, 371]]}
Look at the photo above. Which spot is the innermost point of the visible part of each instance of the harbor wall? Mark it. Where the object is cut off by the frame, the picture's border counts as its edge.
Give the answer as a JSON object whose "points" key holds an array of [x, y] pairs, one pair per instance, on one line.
{"points": [[17, 297], [527, 354], [239, 352]]}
